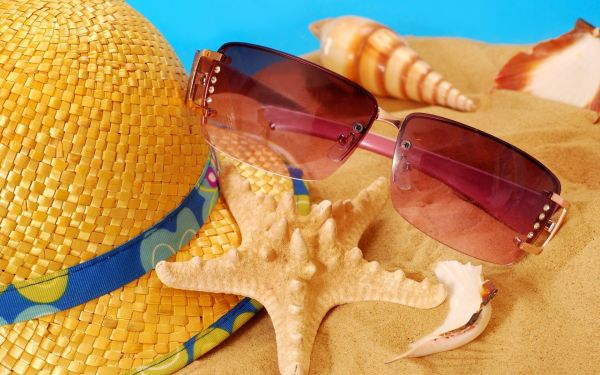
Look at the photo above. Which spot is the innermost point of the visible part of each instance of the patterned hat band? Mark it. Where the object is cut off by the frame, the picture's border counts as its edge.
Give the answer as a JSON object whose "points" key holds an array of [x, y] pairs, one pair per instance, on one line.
{"points": [[70, 287]]}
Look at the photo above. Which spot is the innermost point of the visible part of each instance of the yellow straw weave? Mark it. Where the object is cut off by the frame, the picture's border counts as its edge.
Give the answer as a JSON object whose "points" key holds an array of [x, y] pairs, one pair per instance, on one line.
{"points": [[96, 145], [132, 325]]}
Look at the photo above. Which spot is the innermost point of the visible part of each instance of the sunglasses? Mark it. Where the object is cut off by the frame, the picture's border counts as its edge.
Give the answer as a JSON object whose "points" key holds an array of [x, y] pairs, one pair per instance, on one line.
{"points": [[465, 188]]}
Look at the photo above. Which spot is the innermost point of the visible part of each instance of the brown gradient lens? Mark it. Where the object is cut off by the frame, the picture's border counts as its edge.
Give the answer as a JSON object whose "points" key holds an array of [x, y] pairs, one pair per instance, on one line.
{"points": [[470, 190], [273, 103]]}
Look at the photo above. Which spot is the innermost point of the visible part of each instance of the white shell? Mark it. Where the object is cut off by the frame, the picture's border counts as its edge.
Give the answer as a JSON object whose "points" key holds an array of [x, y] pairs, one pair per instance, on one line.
{"points": [[565, 69], [465, 298]]}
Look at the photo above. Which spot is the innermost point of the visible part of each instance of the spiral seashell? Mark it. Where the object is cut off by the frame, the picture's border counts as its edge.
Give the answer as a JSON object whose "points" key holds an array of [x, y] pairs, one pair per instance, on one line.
{"points": [[377, 58]]}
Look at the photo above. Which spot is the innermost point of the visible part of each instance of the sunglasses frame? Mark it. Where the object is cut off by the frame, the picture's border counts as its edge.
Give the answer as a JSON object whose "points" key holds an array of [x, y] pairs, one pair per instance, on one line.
{"points": [[199, 88]]}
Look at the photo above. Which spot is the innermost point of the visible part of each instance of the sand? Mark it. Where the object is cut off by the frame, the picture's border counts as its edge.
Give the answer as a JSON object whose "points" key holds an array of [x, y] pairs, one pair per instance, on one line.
{"points": [[546, 316]]}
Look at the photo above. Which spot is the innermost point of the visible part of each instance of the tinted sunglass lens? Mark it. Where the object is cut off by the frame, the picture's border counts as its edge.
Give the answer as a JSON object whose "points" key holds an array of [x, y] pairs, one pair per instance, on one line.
{"points": [[268, 106], [468, 190]]}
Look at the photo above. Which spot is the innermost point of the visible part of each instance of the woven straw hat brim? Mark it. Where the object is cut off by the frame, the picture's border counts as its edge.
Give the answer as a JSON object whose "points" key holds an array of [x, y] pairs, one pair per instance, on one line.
{"points": [[138, 324], [96, 142], [96, 146]]}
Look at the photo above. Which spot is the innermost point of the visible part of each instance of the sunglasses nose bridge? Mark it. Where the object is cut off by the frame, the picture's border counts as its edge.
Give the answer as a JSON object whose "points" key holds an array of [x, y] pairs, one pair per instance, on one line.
{"points": [[384, 116]]}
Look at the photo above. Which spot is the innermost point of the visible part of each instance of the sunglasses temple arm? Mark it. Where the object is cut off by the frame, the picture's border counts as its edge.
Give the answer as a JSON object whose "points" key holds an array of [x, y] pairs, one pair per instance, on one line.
{"points": [[284, 119], [378, 144]]}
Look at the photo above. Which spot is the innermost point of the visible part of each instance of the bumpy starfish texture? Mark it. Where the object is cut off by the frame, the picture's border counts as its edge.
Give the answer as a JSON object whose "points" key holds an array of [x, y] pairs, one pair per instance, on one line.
{"points": [[300, 267]]}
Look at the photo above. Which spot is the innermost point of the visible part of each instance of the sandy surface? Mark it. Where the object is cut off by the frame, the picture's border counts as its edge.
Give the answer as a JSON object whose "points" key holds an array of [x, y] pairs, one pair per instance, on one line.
{"points": [[546, 317]]}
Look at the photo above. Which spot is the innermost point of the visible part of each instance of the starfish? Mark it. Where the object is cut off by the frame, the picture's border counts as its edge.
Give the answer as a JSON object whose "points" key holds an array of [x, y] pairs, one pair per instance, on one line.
{"points": [[300, 266]]}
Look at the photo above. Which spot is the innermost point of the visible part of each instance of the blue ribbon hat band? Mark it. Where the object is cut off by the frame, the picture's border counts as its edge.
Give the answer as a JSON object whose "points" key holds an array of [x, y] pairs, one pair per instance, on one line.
{"points": [[70, 287], [86, 281]]}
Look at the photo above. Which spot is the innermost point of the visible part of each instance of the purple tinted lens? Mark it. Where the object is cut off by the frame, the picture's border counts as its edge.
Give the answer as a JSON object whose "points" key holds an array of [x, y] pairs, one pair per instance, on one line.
{"points": [[268, 106], [469, 190]]}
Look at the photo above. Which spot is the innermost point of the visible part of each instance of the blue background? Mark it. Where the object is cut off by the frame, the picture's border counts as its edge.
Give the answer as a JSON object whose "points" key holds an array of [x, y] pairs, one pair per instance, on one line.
{"points": [[190, 25]]}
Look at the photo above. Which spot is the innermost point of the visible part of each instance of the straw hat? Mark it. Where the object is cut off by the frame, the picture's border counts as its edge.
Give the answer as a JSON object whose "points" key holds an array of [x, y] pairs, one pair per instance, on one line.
{"points": [[96, 149]]}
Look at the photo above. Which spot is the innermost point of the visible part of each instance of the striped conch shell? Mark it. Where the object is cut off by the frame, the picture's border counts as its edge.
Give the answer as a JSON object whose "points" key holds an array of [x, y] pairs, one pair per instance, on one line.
{"points": [[377, 58], [565, 69]]}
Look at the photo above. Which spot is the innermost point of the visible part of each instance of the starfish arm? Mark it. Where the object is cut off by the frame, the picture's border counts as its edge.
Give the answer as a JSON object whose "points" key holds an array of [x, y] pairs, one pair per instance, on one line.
{"points": [[299, 267], [357, 214], [295, 332], [371, 283], [229, 274]]}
